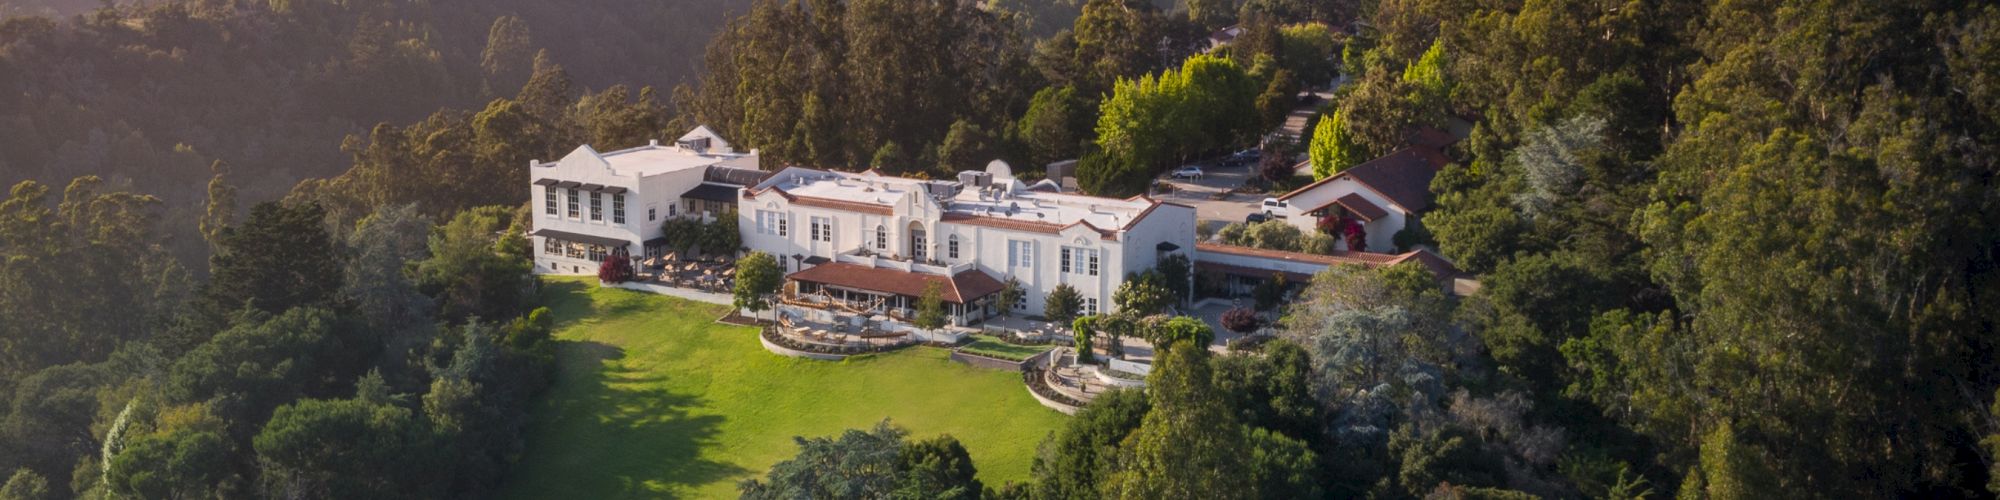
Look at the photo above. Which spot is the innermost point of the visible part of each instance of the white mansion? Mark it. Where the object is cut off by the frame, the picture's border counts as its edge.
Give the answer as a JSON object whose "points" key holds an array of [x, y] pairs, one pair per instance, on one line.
{"points": [[865, 244], [872, 242], [590, 205]]}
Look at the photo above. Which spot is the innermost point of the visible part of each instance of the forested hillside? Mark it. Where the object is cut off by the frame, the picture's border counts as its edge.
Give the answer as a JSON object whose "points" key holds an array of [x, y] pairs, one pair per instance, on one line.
{"points": [[152, 96], [1728, 249], [1759, 236]]}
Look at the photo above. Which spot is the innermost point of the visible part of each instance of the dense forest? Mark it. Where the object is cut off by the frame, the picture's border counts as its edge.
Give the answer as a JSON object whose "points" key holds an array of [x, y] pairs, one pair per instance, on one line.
{"points": [[1728, 249], [153, 96]]}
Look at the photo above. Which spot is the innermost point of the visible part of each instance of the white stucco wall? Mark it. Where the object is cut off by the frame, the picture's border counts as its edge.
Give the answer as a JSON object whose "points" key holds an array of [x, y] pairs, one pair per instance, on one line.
{"points": [[585, 166], [1381, 231], [985, 247]]}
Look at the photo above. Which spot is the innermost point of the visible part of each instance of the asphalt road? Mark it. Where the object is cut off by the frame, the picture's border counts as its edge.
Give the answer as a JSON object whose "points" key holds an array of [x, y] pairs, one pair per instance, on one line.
{"points": [[1201, 193]]}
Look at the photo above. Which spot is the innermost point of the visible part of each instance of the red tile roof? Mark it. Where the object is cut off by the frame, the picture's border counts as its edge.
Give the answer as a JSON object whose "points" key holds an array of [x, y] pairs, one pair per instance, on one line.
{"points": [[1250, 271], [1021, 225], [966, 286], [1363, 258], [851, 206], [1437, 264]]}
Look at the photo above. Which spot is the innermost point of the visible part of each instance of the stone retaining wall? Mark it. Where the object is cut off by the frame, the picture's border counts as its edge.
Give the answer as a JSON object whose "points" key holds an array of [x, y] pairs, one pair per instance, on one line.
{"points": [[985, 362], [1053, 404], [1037, 360], [1036, 381], [1114, 381], [785, 351]]}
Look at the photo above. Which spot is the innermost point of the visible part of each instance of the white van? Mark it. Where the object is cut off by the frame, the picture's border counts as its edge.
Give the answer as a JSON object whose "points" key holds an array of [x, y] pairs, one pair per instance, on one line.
{"points": [[1275, 207]]}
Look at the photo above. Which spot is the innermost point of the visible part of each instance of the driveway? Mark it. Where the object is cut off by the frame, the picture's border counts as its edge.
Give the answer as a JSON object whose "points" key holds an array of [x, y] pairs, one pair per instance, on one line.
{"points": [[1202, 194]]}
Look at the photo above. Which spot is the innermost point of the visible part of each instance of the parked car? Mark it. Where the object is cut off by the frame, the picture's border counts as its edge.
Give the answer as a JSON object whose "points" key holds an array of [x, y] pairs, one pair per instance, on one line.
{"points": [[1274, 207], [1187, 172], [1256, 217], [1245, 156]]}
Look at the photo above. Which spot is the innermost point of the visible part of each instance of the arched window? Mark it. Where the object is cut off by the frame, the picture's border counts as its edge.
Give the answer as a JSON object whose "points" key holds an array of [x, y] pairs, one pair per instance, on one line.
{"points": [[881, 238], [951, 247]]}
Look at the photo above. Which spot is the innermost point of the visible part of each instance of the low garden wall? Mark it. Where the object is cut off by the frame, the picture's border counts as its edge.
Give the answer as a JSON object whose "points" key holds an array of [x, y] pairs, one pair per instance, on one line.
{"points": [[789, 347], [786, 351], [1036, 361], [1107, 378], [1046, 395], [985, 362], [1129, 367]]}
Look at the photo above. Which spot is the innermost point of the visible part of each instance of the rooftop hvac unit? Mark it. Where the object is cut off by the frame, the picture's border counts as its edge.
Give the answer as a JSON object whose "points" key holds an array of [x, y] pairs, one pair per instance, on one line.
{"points": [[975, 179]]}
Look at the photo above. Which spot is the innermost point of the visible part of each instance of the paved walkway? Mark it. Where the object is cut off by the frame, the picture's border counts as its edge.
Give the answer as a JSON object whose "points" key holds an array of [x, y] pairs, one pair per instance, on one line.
{"points": [[685, 293]]}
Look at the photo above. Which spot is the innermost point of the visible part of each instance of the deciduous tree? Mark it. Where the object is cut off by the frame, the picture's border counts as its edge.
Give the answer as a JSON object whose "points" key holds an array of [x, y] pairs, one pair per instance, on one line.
{"points": [[1190, 444], [757, 276], [1062, 304]]}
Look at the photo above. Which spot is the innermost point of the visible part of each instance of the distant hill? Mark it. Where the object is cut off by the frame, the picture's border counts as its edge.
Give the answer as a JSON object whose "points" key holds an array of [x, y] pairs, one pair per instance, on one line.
{"points": [[149, 95], [53, 8]]}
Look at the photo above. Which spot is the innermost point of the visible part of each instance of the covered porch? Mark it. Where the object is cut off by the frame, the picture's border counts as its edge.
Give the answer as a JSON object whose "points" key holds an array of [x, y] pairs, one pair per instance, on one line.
{"points": [[1240, 281], [851, 289]]}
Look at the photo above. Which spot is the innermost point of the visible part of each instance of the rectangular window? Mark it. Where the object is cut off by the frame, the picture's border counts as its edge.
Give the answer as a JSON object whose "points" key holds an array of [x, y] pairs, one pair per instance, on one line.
{"points": [[572, 204], [652, 213], [617, 208], [769, 222], [1082, 261], [552, 246], [573, 250], [597, 253], [782, 229], [596, 205], [549, 200], [670, 209], [1090, 306], [881, 238], [1021, 254], [822, 229]]}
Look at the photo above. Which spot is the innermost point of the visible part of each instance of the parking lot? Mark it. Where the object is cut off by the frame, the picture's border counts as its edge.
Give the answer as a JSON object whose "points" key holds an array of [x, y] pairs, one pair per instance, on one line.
{"points": [[1212, 211]]}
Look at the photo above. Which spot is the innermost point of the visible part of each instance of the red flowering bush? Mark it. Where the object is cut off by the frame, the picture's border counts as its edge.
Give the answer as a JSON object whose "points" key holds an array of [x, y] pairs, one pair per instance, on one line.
{"points": [[1241, 320], [615, 269]]}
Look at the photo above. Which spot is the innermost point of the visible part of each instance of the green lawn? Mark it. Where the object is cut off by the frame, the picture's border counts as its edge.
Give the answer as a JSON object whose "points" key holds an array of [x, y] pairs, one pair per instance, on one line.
{"points": [[993, 347], [653, 399]]}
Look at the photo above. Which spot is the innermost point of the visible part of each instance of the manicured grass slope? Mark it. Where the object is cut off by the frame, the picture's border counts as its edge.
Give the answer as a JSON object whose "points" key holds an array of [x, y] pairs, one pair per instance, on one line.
{"points": [[653, 399]]}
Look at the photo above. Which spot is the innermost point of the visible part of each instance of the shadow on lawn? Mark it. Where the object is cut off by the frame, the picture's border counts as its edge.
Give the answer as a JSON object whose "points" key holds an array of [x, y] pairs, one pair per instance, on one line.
{"points": [[619, 435], [568, 300], [572, 301]]}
